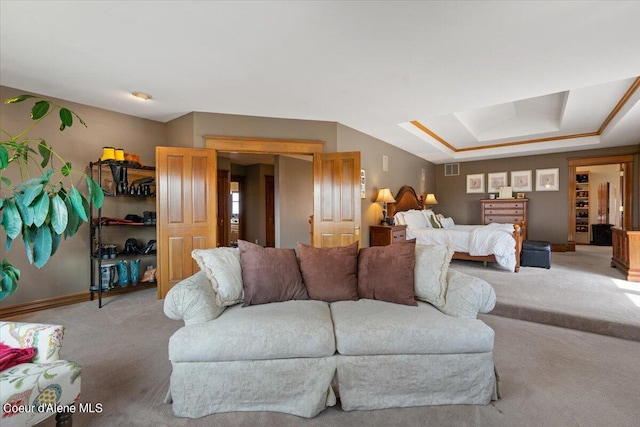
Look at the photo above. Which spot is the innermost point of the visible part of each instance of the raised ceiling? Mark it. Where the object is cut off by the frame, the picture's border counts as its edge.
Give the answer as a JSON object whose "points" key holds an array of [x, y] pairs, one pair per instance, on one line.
{"points": [[447, 81]]}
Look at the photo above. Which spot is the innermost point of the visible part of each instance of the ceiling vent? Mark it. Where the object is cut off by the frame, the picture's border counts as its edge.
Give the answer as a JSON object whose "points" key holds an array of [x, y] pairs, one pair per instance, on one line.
{"points": [[452, 169]]}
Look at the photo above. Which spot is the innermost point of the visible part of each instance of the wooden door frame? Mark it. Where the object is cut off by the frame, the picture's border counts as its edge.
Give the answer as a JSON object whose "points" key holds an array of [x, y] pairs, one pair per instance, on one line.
{"points": [[255, 145], [627, 162]]}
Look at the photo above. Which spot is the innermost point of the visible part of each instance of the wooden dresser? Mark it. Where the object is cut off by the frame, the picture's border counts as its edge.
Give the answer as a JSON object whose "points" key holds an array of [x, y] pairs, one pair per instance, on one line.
{"points": [[626, 253], [505, 211], [383, 235]]}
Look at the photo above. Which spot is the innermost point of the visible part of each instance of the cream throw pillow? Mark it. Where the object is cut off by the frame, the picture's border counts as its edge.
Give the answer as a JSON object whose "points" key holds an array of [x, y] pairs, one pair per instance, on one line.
{"points": [[224, 271], [430, 273]]}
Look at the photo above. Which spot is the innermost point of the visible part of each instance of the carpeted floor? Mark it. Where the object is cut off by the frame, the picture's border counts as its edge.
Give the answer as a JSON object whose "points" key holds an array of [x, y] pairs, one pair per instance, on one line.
{"points": [[580, 291], [549, 375]]}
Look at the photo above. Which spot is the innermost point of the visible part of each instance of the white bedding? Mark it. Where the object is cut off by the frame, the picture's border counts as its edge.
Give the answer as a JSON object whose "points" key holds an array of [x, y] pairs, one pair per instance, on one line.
{"points": [[476, 240]]}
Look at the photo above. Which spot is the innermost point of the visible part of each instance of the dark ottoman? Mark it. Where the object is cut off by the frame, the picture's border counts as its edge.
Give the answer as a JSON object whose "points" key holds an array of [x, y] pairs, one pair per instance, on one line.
{"points": [[535, 253]]}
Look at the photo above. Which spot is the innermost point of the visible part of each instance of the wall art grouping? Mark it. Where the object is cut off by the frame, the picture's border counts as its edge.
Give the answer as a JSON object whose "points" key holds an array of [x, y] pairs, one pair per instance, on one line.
{"points": [[521, 181]]}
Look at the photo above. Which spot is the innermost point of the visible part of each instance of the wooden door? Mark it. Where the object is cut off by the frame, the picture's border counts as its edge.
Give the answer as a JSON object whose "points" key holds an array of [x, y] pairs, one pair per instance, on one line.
{"points": [[186, 210], [336, 199], [270, 211], [224, 217]]}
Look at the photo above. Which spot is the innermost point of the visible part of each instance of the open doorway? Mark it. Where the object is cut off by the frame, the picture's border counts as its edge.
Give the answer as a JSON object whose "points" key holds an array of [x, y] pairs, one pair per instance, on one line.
{"points": [[600, 198]]}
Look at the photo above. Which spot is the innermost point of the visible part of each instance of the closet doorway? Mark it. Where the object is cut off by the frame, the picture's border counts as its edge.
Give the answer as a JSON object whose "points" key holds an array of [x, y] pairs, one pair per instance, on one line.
{"points": [[591, 204]]}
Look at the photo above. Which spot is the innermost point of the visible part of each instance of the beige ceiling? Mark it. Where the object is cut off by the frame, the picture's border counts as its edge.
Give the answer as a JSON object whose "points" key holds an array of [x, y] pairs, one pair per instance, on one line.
{"points": [[447, 81]]}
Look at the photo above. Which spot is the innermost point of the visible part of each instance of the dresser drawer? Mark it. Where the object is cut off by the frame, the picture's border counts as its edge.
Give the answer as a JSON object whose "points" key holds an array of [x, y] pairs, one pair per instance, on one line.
{"points": [[399, 236], [504, 212], [504, 219], [504, 205]]}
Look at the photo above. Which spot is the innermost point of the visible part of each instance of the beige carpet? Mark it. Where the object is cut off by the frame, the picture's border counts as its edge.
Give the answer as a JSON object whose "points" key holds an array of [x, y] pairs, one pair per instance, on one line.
{"points": [[550, 376], [580, 291]]}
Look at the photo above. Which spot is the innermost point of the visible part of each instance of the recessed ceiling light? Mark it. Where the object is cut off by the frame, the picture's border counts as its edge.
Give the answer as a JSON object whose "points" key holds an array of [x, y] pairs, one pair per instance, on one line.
{"points": [[141, 95]]}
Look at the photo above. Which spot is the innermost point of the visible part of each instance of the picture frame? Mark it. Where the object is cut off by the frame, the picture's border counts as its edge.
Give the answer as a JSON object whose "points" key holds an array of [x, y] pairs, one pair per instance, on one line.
{"points": [[521, 181], [548, 179], [519, 195], [495, 181], [475, 183]]}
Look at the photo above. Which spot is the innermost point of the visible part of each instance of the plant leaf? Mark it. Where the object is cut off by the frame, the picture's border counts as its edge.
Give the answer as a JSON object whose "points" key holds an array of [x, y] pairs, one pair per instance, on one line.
{"points": [[41, 209], [7, 246], [66, 169], [59, 215], [74, 220], [6, 181], [39, 110], [76, 201], [28, 183], [27, 240], [46, 176], [65, 117], [55, 242], [95, 192], [26, 212], [4, 157], [45, 152], [42, 247], [31, 193], [8, 285], [16, 100], [11, 220]]}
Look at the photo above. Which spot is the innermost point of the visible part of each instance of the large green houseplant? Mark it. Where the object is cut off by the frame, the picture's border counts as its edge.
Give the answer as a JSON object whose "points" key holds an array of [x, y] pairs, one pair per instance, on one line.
{"points": [[44, 205]]}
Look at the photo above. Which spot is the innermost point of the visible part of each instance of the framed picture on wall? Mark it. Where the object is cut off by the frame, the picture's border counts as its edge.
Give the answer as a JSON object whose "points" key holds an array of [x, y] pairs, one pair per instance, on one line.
{"points": [[475, 183], [548, 179], [521, 181], [496, 181]]}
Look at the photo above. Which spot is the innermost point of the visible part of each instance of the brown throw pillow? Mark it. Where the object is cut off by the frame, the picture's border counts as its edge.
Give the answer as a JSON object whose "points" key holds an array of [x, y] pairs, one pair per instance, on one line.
{"points": [[269, 274], [386, 273], [330, 274]]}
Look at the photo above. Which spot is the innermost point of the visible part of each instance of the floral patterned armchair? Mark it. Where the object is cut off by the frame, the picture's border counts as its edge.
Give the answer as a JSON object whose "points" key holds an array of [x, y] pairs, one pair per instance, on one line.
{"points": [[31, 392]]}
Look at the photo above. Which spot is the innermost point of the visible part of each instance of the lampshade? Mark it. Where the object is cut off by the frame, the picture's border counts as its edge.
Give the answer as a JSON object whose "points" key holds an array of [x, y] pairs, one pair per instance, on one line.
{"points": [[385, 196], [430, 199]]}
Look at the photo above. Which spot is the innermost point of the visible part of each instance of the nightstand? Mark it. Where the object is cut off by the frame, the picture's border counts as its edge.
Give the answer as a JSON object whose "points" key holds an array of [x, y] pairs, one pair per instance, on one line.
{"points": [[383, 235]]}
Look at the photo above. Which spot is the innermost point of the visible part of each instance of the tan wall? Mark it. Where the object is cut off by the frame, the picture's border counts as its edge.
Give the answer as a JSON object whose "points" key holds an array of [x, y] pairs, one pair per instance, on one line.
{"points": [[180, 131], [548, 210], [68, 271], [404, 169]]}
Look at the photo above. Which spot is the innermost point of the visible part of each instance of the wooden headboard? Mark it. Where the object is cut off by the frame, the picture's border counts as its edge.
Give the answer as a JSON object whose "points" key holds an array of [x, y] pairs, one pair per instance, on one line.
{"points": [[406, 199]]}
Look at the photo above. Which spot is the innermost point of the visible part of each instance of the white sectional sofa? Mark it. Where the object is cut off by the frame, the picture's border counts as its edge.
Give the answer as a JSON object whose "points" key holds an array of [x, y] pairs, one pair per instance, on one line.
{"points": [[298, 356]]}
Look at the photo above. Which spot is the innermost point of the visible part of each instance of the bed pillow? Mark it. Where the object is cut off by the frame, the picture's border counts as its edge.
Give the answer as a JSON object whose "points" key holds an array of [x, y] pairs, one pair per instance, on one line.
{"points": [[398, 219], [269, 274], [386, 273], [431, 218], [432, 265], [330, 274], [447, 222], [415, 220], [222, 268]]}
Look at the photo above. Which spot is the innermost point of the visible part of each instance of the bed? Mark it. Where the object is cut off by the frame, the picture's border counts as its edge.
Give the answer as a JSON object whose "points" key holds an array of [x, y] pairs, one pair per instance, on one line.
{"points": [[498, 243]]}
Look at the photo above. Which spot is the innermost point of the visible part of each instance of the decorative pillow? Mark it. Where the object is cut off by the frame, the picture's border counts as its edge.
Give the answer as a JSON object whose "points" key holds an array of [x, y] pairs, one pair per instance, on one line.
{"points": [[330, 274], [431, 218], [415, 220], [386, 273], [269, 274], [398, 218], [447, 222], [222, 267], [10, 356], [432, 265]]}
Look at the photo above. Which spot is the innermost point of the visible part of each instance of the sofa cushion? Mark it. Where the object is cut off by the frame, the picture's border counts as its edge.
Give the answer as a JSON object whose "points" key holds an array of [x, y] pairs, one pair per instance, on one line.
{"points": [[369, 327], [386, 273], [430, 273], [222, 267], [330, 274], [282, 330], [270, 274]]}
